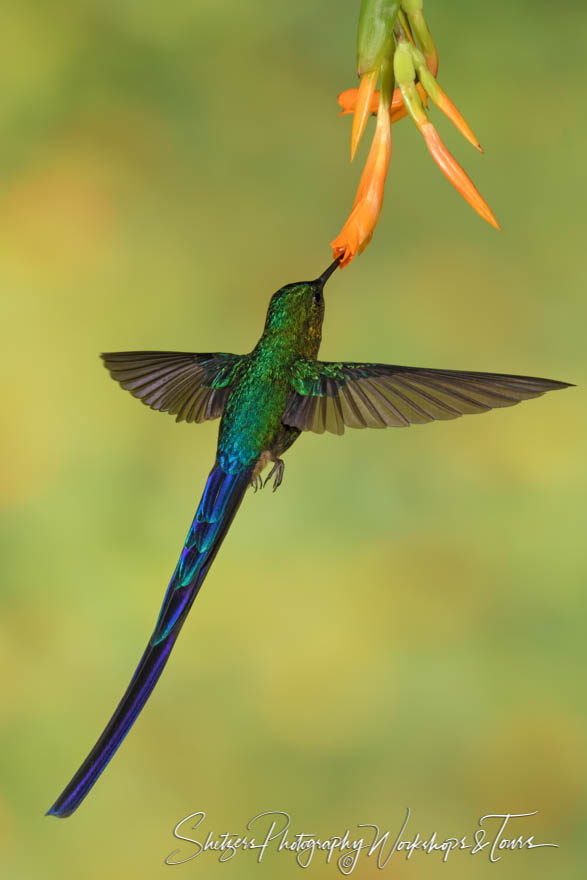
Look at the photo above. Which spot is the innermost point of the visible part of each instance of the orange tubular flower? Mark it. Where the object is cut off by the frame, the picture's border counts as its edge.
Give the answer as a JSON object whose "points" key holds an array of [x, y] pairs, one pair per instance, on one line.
{"points": [[394, 43], [362, 106], [405, 75], [358, 229], [429, 86], [455, 174], [444, 103]]}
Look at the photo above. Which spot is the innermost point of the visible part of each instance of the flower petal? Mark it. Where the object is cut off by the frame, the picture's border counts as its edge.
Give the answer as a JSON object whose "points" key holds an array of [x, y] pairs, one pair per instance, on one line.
{"points": [[455, 174], [444, 103], [362, 108], [358, 229]]}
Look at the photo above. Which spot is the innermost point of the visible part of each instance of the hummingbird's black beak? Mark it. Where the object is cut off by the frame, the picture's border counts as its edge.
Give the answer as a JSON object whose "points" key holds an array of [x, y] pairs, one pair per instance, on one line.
{"points": [[327, 273]]}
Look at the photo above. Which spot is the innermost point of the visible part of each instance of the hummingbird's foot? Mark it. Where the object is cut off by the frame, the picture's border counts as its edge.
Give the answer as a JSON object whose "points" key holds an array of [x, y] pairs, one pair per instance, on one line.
{"points": [[277, 469], [256, 479]]}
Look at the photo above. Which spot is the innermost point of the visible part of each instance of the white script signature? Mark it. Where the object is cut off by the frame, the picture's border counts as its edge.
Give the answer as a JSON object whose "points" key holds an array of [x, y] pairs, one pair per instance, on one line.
{"points": [[496, 834]]}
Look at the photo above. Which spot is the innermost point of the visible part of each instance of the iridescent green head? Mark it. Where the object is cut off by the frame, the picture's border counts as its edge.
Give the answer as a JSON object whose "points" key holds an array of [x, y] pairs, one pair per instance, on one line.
{"points": [[296, 312]]}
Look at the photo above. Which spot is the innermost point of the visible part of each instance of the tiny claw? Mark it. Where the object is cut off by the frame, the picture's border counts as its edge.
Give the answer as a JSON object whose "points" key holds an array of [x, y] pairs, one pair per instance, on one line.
{"points": [[277, 469]]}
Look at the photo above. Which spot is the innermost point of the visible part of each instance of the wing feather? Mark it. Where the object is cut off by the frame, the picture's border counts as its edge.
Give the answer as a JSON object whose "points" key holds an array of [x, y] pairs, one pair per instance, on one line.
{"points": [[193, 387], [329, 396]]}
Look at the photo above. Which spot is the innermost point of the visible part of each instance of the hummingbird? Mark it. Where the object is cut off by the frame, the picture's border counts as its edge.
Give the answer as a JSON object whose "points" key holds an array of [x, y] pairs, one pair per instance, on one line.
{"points": [[265, 400]]}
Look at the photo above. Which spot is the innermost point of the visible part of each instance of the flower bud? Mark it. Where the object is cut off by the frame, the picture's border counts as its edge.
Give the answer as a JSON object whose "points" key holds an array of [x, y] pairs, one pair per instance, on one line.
{"points": [[403, 65]]}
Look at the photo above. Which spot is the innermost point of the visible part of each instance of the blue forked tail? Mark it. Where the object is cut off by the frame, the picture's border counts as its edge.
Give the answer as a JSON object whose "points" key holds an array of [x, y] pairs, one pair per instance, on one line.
{"points": [[220, 501]]}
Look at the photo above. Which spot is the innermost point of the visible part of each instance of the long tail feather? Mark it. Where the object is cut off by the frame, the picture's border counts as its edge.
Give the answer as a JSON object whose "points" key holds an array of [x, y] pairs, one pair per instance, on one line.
{"points": [[220, 501]]}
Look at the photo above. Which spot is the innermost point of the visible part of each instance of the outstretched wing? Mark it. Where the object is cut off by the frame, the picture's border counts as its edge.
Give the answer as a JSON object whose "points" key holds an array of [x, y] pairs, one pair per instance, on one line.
{"points": [[327, 396], [192, 387]]}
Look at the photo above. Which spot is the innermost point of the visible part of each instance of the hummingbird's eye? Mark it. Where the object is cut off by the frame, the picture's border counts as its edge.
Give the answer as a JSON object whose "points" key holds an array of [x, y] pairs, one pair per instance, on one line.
{"points": [[317, 297]]}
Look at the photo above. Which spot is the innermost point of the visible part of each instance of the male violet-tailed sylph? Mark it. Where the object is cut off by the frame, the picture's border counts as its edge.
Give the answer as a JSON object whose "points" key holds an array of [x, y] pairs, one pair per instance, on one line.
{"points": [[265, 400]]}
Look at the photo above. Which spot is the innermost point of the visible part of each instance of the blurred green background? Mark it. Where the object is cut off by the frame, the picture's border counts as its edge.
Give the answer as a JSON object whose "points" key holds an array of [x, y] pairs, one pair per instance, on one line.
{"points": [[399, 625]]}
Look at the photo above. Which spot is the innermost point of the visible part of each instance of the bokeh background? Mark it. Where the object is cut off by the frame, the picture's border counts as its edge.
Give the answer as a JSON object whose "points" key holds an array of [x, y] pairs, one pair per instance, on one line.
{"points": [[400, 625]]}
